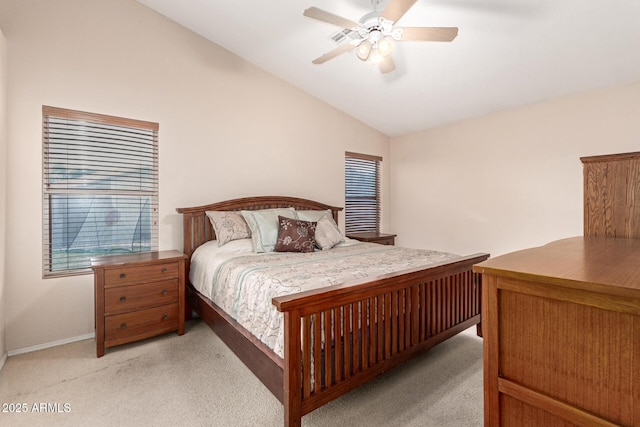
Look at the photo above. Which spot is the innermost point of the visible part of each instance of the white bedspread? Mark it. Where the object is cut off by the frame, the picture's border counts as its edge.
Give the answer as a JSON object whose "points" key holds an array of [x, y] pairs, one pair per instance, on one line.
{"points": [[243, 283]]}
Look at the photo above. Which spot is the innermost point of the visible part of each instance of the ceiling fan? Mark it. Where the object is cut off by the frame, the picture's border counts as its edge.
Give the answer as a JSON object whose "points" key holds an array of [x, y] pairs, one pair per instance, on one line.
{"points": [[373, 35]]}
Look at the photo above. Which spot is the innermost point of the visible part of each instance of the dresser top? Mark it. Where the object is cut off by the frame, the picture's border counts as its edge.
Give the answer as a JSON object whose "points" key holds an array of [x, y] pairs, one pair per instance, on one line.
{"points": [[142, 257], [598, 264], [610, 157]]}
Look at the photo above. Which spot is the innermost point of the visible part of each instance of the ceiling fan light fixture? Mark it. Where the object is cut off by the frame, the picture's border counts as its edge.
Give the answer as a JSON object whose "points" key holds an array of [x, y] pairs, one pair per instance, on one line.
{"points": [[363, 50], [376, 57], [384, 46]]}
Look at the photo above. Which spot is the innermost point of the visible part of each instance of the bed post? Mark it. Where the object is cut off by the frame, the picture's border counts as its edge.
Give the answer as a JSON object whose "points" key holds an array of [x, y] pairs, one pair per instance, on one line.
{"points": [[477, 279], [187, 249], [292, 377]]}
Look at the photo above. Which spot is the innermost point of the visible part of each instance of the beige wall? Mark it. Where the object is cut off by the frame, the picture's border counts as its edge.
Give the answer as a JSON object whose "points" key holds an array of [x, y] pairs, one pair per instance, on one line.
{"points": [[3, 188], [509, 180], [227, 129]]}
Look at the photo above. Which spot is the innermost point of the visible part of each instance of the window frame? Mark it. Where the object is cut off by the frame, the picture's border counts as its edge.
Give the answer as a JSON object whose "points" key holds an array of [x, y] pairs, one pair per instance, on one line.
{"points": [[51, 189], [372, 222]]}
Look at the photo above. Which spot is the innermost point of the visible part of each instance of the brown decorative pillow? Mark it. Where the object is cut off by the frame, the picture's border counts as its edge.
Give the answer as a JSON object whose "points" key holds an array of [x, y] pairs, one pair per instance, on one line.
{"points": [[295, 235]]}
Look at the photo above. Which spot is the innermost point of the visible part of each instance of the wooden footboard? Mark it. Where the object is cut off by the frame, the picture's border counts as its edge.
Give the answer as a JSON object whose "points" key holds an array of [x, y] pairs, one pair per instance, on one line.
{"points": [[349, 334]]}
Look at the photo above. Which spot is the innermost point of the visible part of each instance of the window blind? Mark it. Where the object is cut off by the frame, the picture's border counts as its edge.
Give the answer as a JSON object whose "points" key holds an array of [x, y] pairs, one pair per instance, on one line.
{"points": [[100, 188], [362, 192]]}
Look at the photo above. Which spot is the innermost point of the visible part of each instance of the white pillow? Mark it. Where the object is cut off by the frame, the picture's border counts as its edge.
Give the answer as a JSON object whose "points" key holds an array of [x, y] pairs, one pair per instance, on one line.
{"points": [[264, 226], [313, 216], [327, 233], [228, 226]]}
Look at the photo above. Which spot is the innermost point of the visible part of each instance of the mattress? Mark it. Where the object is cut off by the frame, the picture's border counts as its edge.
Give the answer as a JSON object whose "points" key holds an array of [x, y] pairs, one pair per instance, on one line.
{"points": [[243, 283]]}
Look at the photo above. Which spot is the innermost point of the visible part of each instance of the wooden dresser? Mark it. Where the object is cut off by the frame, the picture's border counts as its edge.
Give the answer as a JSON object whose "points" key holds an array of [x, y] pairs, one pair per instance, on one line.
{"points": [[562, 334], [138, 296]]}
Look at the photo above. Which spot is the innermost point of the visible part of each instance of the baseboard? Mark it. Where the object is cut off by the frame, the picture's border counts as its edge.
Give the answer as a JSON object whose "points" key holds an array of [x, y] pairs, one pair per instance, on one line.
{"points": [[50, 344], [3, 360]]}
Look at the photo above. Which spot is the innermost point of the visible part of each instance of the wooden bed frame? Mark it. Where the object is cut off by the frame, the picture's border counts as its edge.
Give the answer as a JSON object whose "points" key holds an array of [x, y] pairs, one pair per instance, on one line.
{"points": [[369, 326]]}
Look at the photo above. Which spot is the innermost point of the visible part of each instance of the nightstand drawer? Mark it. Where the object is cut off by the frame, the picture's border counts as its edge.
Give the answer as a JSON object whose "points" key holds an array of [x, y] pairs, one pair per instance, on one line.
{"points": [[141, 323], [126, 298], [119, 276], [386, 241]]}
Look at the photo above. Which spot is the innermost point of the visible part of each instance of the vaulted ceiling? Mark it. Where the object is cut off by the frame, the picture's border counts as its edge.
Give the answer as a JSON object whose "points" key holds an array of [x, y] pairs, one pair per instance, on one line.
{"points": [[508, 53]]}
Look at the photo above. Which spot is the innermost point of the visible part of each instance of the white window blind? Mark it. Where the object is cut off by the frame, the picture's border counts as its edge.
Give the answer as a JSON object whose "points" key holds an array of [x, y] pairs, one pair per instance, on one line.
{"points": [[100, 188], [362, 192]]}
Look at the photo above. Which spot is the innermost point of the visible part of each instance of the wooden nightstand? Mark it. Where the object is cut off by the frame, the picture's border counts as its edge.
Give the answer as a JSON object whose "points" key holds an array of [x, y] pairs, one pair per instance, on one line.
{"points": [[138, 296], [374, 237]]}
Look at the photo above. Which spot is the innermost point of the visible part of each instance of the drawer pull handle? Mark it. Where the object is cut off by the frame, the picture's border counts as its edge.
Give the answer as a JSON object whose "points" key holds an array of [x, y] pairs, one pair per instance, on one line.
{"points": [[165, 317], [123, 326], [122, 275], [123, 299], [164, 292], [164, 270]]}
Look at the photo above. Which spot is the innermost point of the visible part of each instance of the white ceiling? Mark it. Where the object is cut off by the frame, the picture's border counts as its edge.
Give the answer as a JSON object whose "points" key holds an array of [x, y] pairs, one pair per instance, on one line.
{"points": [[508, 53]]}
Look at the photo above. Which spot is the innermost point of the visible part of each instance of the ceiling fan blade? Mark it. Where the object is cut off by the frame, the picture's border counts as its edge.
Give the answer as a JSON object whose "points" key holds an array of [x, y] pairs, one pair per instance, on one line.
{"points": [[387, 65], [330, 18], [396, 9], [333, 53], [433, 34]]}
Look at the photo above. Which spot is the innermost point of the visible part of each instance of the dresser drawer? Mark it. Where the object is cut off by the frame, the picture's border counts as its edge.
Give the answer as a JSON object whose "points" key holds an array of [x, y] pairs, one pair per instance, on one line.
{"points": [[120, 276], [126, 298], [143, 323]]}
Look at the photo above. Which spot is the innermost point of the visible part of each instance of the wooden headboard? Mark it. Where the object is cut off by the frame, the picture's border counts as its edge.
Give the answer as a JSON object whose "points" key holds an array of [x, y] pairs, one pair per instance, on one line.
{"points": [[197, 228]]}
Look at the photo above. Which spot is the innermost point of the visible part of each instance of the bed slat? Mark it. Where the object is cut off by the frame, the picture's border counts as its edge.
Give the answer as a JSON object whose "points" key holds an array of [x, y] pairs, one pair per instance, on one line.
{"points": [[306, 354]]}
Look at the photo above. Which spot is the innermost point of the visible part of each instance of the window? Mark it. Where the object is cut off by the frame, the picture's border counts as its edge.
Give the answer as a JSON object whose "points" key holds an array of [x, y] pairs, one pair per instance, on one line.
{"points": [[362, 192], [100, 188]]}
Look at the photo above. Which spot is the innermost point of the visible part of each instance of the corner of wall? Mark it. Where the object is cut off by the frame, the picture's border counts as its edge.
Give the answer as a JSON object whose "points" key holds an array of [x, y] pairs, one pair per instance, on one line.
{"points": [[3, 192]]}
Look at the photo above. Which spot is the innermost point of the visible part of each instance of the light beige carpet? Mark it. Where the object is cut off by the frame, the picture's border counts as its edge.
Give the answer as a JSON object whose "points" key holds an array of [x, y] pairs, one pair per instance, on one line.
{"points": [[195, 380]]}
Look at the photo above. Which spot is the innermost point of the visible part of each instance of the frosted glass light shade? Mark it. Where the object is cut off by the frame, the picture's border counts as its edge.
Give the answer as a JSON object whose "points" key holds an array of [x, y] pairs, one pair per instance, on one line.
{"points": [[384, 46], [363, 50], [376, 57]]}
